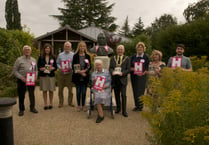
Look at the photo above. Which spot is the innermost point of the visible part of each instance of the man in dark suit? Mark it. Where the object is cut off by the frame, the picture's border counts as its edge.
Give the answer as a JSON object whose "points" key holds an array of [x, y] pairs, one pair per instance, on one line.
{"points": [[119, 69]]}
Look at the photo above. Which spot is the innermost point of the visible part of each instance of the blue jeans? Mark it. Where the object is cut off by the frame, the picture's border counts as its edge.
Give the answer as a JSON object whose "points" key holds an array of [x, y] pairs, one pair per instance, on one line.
{"points": [[81, 93]]}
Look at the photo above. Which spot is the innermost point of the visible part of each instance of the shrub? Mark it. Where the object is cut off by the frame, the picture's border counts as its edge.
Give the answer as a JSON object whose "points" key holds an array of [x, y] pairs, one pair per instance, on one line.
{"points": [[198, 63], [179, 107], [7, 81]]}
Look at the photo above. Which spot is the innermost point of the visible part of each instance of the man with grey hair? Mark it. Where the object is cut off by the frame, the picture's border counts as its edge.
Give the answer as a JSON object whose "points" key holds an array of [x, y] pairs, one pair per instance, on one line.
{"points": [[64, 63], [23, 65], [119, 69]]}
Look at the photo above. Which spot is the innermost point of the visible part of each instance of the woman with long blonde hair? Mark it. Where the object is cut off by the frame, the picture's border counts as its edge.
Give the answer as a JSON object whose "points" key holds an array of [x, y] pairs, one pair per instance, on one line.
{"points": [[81, 67]]}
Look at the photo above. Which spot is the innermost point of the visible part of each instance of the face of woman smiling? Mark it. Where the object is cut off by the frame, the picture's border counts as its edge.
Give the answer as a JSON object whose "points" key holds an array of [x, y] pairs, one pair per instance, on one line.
{"points": [[140, 49], [156, 57], [47, 50]]}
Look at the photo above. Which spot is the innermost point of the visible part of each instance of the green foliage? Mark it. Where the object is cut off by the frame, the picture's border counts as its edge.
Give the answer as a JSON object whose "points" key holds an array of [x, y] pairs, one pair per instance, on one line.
{"points": [[138, 28], [198, 63], [130, 47], [80, 14], [196, 10], [7, 81], [178, 107], [163, 22], [11, 44], [125, 29], [12, 15], [193, 35]]}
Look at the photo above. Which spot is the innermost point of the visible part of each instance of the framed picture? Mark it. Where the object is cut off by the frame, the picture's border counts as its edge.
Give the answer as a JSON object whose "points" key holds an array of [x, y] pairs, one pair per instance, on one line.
{"points": [[76, 68], [152, 70], [47, 68], [117, 70]]}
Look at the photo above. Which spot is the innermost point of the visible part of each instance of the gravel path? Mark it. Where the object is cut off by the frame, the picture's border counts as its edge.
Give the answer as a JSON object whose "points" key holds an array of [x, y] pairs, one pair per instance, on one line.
{"points": [[66, 126]]}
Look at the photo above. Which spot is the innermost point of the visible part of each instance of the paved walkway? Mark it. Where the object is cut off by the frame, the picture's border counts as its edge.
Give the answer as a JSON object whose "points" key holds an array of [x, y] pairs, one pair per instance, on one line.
{"points": [[66, 126]]}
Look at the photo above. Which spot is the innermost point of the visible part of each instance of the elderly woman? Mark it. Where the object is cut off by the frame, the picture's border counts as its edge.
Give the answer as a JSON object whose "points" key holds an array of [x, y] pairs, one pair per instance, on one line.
{"points": [[101, 81], [156, 65], [139, 67], [155, 68]]}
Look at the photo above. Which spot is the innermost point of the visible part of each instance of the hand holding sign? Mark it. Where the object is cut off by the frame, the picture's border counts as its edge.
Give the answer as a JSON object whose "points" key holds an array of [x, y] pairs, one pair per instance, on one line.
{"points": [[176, 62], [65, 66], [30, 79], [99, 83], [138, 68]]}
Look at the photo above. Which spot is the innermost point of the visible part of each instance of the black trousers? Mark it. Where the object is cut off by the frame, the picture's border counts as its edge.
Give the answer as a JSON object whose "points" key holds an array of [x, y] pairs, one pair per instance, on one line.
{"points": [[120, 94], [21, 89], [138, 85]]}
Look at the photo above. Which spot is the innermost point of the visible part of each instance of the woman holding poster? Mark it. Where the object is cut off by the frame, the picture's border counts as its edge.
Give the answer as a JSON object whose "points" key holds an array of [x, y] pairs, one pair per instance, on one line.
{"points": [[139, 67], [156, 65], [101, 82], [81, 67], [47, 66]]}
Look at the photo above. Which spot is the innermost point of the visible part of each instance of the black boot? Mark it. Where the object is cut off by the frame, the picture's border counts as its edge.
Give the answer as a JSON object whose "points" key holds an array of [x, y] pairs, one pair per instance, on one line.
{"points": [[99, 119]]}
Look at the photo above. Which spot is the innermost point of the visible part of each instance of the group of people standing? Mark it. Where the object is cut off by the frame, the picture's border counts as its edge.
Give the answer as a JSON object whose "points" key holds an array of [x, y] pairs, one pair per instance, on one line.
{"points": [[75, 68]]}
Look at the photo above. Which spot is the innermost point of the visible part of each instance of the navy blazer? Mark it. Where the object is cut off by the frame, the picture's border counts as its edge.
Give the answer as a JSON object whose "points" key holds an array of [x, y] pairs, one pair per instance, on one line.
{"points": [[134, 58], [42, 62]]}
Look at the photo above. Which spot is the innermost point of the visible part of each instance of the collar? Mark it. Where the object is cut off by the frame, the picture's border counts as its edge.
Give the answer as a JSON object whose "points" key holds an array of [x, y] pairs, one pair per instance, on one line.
{"points": [[120, 56], [180, 56], [26, 57], [98, 72], [140, 55], [66, 52]]}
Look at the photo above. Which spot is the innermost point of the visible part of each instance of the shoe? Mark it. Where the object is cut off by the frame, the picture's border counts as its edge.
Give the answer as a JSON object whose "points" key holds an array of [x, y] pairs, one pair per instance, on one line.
{"points": [[125, 114], [84, 109], [60, 106], [139, 109], [135, 109], [71, 105], [33, 110], [46, 107], [117, 111], [50, 107], [78, 108], [99, 119], [21, 113]]}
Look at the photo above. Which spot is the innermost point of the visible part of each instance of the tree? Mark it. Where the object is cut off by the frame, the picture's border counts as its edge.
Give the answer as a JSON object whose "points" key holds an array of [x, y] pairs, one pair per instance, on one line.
{"points": [[125, 30], [196, 10], [12, 15], [83, 13], [138, 28], [163, 22], [193, 35], [131, 45]]}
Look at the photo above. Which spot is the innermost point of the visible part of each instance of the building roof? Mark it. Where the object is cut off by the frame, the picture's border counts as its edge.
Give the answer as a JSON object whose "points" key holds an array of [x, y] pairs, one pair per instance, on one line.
{"points": [[64, 28]]}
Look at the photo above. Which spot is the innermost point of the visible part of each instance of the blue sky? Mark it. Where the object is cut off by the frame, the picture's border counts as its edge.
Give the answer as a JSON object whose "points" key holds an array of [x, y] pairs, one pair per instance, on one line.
{"points": [[35, 13]]}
